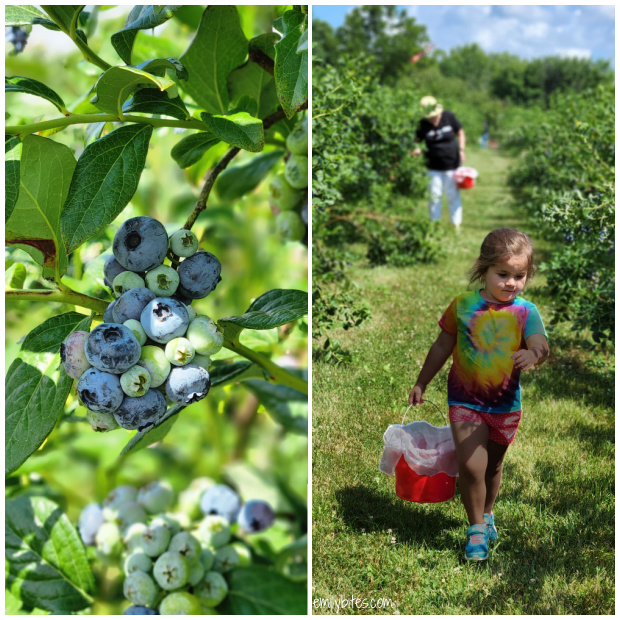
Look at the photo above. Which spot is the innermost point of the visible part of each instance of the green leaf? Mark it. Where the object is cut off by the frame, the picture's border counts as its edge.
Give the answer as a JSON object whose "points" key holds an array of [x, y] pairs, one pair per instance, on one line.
{"points": [[271, 309], [151, 101], [143, 439], [37, 387], [45, 176], [251, 80], [236, 181], [93, 132], [47, 563], [12, 604], [105, 179], [291, 68], [218, 47], [275, 398], [141, 17], [20, 15], [265, 43], [237, 129], [159, 66], [62, 14], [18, 84], [251, 592], [116, 85], [226, 373], [12, 156], [190, 149], [15, 276]]}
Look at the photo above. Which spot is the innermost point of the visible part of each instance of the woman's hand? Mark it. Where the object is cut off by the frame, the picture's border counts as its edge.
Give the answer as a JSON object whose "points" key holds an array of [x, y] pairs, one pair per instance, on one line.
{"points": [[416, 152], [415, 396]]}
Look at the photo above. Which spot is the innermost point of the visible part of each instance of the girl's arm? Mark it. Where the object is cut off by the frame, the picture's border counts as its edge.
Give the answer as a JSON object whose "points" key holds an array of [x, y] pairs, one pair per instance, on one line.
{"points": [[536, 353], [439, 352]]}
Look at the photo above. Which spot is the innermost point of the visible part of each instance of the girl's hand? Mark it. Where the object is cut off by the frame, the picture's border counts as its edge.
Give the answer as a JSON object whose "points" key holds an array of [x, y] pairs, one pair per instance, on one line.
{"points": [[415, 396], [524, 359]]}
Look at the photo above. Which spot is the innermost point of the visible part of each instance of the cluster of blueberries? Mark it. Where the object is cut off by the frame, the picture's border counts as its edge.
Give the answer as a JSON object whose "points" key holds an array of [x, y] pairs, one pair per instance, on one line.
{"points": [[151, 345], [288, 190], [174, 562]]}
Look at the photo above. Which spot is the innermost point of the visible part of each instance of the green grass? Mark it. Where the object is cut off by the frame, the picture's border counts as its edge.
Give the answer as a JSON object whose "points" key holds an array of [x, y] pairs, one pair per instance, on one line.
{"points": [[555, 510]]}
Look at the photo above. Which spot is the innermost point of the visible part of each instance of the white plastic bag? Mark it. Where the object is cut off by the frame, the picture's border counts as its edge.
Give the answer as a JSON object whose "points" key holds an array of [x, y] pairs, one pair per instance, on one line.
{"points": [[427, 449]]}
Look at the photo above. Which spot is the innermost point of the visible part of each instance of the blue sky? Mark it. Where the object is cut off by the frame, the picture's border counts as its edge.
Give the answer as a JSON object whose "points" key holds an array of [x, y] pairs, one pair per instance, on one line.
{"points": [[528, 31]]}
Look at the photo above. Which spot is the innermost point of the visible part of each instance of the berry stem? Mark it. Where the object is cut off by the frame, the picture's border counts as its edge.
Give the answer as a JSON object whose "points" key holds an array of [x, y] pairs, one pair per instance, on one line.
{"points": [[276, 373], [66, 296]]}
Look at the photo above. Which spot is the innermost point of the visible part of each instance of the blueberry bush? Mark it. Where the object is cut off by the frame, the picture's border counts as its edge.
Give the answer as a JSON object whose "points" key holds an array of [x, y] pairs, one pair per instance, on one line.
{"points": [[151, 292], [565, 180]]}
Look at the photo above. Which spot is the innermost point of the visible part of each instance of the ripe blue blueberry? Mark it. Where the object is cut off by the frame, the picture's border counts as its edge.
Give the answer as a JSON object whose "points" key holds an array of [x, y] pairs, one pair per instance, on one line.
{"points": [[91, 519], [184, 243], [111, 269], [112, 348], [140, 244], [187, 384], [221, 500], [140, 610], [138, 413], [131, 303], [199, 275], [73, 356], [164, 319], [108, 314], [256, 516], [100, 391]]}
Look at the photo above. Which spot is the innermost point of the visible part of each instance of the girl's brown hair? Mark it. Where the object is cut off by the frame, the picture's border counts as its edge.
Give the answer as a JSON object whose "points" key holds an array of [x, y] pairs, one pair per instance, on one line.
{"points": [[498, 245]]}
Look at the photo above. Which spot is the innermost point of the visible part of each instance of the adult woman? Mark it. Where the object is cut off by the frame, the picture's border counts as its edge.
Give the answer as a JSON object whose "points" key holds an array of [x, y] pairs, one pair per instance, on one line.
{"points": [[445, 151]]}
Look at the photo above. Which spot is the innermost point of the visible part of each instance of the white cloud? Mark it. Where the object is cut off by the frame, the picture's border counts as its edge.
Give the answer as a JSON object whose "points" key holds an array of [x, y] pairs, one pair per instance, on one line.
{"points": [[573, 52], [536, 31]]}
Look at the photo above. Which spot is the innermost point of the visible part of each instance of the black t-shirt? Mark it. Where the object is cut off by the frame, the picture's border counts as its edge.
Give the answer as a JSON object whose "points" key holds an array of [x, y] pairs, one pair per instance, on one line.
{"points": [[442, 146]]}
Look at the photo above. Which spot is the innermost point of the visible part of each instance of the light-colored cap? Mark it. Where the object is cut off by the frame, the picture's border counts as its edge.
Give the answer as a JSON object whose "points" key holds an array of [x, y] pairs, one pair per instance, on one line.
{"points": [[430, 107]]}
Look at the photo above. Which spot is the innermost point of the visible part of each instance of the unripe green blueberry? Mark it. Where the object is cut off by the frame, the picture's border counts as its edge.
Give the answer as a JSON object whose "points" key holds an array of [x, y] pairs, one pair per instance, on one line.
{"points": [[163, 281], [125, 281], [154, 360], [116, 498], [189, 500], [155, 539], [290, 226], [171, 570], [207, 558], [191, 313], [136, 381], [243, 553], [156, 496], [101, 422], [175, 522], [196, 572], [184, 243], [204, 335], [137, 330], [108, 540], [212, 590], [282, 194], [133, 536], [297, 140], [180, 604], [296, 171], [204, 361], [187, 545], [140, 589], [137, 560], [180, 351], [214, 531], [130, 513], [227, 558]]}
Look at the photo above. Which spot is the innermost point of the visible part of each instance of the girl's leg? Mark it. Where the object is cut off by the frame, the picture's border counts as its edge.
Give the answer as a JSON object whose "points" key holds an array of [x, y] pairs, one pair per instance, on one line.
{"points": [[493, 475], [436, 194], [470, 439]]}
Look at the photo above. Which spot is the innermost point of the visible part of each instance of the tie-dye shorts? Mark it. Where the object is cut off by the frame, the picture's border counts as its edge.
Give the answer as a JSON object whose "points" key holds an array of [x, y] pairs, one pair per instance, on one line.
{"points": [[502, 426]]}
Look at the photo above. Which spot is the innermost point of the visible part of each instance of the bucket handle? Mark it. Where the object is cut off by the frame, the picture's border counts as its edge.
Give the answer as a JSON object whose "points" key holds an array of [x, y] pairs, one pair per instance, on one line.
{"points": [[432, 403]]}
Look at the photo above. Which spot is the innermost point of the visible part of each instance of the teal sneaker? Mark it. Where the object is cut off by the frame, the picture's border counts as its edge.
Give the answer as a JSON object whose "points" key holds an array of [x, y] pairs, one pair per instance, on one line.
{"points": [[477, 546], [488, 519]]}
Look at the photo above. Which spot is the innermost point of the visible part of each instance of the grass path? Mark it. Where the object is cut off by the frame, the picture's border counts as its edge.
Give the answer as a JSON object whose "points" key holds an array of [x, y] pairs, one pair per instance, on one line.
{"points": [[555, 511]]}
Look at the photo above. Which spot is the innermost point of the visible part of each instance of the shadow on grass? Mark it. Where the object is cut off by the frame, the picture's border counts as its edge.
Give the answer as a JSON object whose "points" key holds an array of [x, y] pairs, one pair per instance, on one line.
{"points": [[362, 508]]}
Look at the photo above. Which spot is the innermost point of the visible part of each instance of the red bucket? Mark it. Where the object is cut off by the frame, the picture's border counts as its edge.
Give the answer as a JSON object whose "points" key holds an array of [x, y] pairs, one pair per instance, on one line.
{"points": [[465, 177], [423, 489]]}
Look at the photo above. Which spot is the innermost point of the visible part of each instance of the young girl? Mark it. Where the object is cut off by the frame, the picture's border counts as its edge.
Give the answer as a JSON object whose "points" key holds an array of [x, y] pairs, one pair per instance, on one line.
{"points": [[493, 335]]}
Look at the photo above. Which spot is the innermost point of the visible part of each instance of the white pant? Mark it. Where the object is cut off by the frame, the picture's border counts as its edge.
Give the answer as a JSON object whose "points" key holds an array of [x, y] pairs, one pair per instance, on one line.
{"points": [[441, 181]]}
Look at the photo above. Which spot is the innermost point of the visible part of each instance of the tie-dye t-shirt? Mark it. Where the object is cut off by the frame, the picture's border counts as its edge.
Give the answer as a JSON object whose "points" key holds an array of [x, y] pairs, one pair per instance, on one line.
{"points": [[483, 376]]}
